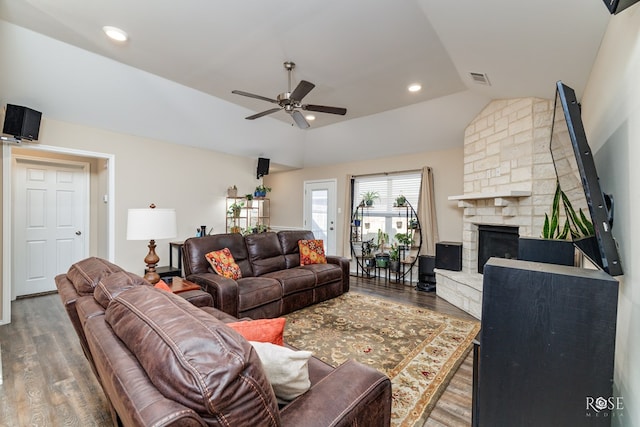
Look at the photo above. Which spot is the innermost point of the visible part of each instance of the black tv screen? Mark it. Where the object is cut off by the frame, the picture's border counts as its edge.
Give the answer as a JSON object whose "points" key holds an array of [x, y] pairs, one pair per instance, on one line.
{"points": [[578, 179]]}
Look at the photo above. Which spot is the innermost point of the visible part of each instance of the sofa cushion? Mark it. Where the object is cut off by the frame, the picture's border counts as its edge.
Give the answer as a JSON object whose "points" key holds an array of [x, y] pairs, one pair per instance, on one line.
{"points": [[198, 361], [223, 263], [86, 274], [262, 330], [294, 280], [289, 243], [287, 369], [265, 253], [312, 252], [325, 273], [113, 284], [256, 291]]}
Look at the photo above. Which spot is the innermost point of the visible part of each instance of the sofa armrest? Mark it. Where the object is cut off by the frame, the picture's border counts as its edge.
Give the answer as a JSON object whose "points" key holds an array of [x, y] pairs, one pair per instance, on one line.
{"points": [[198, 298], [224, 291], [344, 264], [134, 397], [353, 394]]}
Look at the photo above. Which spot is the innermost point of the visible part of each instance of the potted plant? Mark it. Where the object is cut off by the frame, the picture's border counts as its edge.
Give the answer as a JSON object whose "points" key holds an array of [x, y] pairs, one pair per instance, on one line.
{"points": [[401, 200], [232, 191], [405, 239], [261, 191], [555, 245], [249, 198], [394, 258], [382, 239], [234, 209], [369, 197]]}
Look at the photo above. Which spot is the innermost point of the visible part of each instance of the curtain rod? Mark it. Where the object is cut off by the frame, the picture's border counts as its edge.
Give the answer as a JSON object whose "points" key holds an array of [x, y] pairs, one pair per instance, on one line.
{"points": [[388, 173]]}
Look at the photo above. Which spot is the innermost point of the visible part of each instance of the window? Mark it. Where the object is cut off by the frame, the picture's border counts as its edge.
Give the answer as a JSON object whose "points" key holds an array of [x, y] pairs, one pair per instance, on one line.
{"points": [[382, 215]]}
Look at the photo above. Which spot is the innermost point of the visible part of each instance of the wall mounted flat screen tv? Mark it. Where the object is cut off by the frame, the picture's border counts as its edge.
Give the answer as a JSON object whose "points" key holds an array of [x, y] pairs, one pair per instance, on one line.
{"points": [[578, 178]]}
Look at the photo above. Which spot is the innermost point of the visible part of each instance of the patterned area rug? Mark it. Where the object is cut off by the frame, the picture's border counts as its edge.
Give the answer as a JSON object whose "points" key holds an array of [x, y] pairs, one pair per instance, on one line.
{"points": [[418, 349]]}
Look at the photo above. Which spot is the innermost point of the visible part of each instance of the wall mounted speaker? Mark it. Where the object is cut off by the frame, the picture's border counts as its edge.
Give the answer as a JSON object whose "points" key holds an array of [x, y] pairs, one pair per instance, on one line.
{"points": [[22, 122], [263, 167], [617, 6], [449, 256]]}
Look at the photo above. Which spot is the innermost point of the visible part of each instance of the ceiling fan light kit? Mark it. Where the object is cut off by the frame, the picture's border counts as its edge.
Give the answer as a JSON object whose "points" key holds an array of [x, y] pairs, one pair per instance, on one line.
{"points": [[291, 101]]}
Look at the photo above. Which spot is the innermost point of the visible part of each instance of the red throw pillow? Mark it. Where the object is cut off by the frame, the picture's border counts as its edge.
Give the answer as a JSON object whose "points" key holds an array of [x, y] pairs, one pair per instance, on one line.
{"points": [[223, 263], [162, 285], [312, 252], [261, 330]]}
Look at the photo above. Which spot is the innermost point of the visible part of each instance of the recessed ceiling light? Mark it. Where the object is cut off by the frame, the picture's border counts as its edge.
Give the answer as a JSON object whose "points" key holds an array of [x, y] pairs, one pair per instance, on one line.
{"points": [[310, 117], [115, 34], [415, 87]]}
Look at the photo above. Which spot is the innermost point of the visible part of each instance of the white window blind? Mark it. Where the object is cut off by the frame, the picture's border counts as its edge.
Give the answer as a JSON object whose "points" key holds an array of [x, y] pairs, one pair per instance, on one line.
{"points": [[388, 187]]}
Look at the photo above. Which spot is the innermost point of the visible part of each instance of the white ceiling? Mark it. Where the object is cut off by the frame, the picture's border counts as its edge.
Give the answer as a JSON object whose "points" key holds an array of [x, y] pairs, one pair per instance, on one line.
{"points": [[361, 54]]}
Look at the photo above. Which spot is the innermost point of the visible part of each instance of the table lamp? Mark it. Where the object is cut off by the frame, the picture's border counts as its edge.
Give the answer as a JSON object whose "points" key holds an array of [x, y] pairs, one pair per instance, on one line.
{"points": [[151, 224]]}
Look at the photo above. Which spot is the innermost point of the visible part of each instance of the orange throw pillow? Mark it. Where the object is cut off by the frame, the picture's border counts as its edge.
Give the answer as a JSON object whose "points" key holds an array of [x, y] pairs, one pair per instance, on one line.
{"points": [[261, 330], [312, 252], [223, 263], [162, 285]]}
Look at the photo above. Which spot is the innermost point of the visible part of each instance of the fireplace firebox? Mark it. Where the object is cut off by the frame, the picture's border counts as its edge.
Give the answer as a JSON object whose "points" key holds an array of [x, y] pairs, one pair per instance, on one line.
{"points": [[498, 241]]}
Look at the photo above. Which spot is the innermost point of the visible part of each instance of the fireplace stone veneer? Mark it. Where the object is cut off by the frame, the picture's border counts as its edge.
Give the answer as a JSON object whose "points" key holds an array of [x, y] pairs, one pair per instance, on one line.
{"points": [[509, 180]]}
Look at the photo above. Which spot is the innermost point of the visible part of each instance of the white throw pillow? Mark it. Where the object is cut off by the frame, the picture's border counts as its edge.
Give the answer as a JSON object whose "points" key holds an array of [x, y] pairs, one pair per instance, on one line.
{"points": [[286, 369]]}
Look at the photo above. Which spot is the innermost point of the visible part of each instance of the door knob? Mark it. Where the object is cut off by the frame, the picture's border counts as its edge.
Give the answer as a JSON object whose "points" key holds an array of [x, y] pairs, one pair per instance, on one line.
{"points": [[78, 233]]}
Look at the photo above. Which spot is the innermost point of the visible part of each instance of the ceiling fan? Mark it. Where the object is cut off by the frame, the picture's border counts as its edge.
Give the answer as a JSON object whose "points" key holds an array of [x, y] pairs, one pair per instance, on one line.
{"points": [[291, 101]]}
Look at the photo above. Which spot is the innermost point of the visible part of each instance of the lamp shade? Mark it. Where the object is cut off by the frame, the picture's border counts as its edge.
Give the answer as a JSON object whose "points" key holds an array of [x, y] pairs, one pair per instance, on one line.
{"points": [[151, 224]]}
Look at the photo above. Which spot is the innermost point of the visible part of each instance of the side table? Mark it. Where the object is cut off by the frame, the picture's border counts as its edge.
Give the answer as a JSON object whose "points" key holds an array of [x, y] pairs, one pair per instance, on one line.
{"points": [[178, 284]]}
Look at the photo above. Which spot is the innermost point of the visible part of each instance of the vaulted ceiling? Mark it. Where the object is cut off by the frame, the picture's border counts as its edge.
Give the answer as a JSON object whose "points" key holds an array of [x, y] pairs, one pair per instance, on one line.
{"points": [[183, 59]]}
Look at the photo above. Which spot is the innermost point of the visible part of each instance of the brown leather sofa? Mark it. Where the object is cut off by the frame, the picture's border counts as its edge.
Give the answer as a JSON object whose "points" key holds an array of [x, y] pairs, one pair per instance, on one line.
{"points": [[162, 361], [273, 282]]}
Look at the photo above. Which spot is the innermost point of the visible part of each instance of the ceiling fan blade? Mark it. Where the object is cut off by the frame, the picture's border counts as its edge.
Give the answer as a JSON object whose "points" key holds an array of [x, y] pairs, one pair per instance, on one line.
{"points": [[303, 88], [325, 109], [264, 113], [251, 95], [299, 119]]}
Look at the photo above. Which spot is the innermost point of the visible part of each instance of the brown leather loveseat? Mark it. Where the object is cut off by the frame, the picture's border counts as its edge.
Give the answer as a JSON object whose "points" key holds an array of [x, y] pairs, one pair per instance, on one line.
{"points": [[273, 282], [162, 361]]}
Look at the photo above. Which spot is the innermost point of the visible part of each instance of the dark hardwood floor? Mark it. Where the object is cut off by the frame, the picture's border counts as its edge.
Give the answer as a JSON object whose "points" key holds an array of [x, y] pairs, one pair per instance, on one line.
{"points": [[48, 382]]}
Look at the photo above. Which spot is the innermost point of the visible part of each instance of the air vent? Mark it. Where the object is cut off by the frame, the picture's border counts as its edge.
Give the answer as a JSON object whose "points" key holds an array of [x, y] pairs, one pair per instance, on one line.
{"points": [[480, 78]]}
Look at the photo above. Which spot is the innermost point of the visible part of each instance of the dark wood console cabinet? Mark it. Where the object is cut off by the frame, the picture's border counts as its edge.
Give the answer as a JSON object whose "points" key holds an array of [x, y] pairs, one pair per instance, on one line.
{"points": [[546, 345]]}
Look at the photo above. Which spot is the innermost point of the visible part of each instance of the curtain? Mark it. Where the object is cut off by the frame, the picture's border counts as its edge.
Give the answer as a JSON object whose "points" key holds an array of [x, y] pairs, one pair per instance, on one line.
{"points": [[346, 222], [427, 213]]}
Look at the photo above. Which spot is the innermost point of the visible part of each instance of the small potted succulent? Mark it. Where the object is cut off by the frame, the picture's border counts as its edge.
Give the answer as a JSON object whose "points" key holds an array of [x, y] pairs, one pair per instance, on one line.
{"points": [[249, 198], [232, 191], [401, 201]]}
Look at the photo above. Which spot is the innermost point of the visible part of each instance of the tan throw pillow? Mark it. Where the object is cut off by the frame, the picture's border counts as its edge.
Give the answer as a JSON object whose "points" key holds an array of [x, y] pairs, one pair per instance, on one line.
{"points": [[287, 370]]}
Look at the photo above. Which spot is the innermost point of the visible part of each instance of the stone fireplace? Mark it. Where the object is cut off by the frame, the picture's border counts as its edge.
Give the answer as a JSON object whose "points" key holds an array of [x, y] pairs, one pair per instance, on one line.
{"points": [[509, 180]]}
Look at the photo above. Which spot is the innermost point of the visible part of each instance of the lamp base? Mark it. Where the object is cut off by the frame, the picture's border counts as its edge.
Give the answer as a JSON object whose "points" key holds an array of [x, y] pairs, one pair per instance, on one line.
{"points": [[152, 260]]}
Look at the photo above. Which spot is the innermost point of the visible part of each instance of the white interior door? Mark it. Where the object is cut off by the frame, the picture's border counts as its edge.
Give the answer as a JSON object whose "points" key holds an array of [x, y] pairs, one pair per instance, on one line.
{"points": [[320, 212], [50, 219]]}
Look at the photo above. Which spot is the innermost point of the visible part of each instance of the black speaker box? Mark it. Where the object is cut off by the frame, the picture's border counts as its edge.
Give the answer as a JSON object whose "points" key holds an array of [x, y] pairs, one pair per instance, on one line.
{"points": [[22, 122], [617, 6], [546, 346], [449, 256], [263, 167]]}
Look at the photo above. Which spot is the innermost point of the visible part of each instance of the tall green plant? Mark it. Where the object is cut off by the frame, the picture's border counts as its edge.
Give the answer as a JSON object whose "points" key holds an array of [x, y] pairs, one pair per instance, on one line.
{"points": [[575, 225]]}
